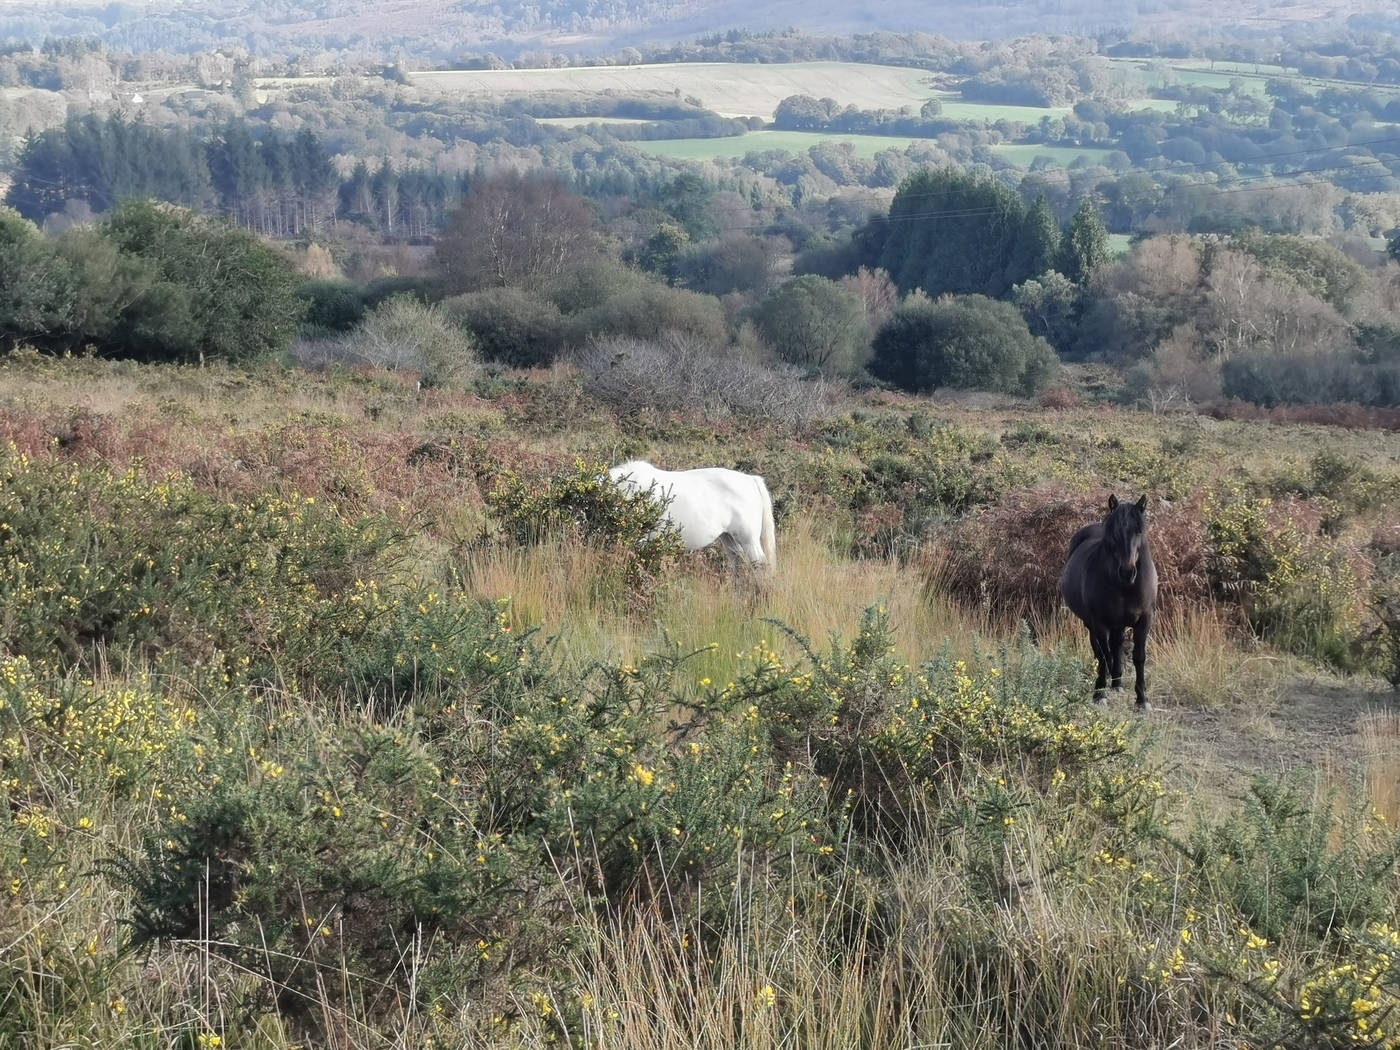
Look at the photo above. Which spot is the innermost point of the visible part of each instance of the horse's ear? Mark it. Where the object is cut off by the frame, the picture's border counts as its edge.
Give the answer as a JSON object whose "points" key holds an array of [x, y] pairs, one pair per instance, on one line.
{"points": [[1112, 500], [1142, 504]]}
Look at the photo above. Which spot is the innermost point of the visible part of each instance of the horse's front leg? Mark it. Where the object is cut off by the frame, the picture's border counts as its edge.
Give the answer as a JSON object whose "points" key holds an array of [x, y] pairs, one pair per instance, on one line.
{"points": [[1115, 657], [1098, 638], [1140, 630]]}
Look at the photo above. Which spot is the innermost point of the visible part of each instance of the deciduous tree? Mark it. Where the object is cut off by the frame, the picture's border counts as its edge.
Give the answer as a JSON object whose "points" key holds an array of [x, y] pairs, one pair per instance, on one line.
{"points": [[523, 231]]}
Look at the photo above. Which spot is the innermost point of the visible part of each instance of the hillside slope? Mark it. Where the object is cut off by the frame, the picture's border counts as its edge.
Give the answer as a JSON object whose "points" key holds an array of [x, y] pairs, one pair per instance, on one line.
{"points": [[437, 28]]}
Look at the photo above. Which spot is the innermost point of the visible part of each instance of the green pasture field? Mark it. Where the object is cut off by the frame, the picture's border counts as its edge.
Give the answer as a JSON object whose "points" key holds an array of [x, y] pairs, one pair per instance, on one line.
{"points": [[1218, 76], [732, 89], [1164, 105], [954, 108], [1024, 153], [1260, 69], [863, 145]]}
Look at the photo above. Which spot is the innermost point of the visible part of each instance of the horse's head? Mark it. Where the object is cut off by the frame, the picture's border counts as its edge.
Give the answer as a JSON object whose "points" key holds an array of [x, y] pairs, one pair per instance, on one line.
{"points": [[1125, 536]]}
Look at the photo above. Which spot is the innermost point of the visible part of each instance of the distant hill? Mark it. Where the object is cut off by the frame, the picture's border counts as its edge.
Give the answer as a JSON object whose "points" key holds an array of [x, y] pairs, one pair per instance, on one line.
{"points": [[436, 30]]}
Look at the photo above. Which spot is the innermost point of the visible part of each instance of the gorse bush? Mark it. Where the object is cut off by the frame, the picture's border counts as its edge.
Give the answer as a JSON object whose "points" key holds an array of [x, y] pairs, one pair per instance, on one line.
{"points": [[916, 474], [1288, 864], [444, 820], [447, 821], [272, 774], [630, 528], [132, 568], [1302, 595]]}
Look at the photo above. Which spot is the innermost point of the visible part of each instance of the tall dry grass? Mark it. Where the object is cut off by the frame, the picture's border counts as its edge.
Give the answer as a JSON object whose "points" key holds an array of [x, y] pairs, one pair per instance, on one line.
{"points": [[1379, 754], [559, 586]]}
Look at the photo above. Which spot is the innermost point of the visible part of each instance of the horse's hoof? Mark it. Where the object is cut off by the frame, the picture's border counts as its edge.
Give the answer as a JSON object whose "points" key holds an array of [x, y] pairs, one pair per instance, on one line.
{"points": [[1101, 697], [1117, 687], [1144, 705]]}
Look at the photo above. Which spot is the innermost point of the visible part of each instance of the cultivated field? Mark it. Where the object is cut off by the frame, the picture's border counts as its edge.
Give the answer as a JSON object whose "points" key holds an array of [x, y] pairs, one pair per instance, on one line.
{"points": [[731, 89]]}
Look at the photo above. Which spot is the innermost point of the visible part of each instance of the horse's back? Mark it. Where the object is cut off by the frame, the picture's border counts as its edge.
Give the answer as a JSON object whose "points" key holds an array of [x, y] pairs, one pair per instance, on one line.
{"points": [[1094, 531], [704, 503], [1076, 571]]}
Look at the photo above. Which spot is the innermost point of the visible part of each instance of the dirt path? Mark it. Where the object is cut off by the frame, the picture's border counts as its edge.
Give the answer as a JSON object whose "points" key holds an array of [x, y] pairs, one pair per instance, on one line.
{"points": [[1337, 729]]}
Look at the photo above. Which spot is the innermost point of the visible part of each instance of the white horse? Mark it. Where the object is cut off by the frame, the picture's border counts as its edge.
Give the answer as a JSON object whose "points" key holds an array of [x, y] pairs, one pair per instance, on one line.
{"points": [[708, 504]]}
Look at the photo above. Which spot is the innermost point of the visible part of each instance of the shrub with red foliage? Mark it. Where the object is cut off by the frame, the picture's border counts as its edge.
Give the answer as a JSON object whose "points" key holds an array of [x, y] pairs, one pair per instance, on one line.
{"points": [[1059, 397], [1007, 558]]}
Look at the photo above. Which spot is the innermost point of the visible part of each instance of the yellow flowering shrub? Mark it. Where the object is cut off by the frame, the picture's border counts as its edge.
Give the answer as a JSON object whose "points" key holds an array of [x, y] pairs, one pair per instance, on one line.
{"points": [[1297, 591]]}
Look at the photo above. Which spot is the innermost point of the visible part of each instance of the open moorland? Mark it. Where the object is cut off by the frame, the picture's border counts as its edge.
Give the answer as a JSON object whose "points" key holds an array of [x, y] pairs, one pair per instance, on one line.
{"points": [[345, 703], [356, 709]]}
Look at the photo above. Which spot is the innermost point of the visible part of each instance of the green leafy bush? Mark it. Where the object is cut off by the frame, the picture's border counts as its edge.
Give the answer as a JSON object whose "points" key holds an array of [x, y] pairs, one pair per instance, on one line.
{"points": [[969, 342], [649, 311], [404, 334], [510, 325], [815, 323], [333, 306]]}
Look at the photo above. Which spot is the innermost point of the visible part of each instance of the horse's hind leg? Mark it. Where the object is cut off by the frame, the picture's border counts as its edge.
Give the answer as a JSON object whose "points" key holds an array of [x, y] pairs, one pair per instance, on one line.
{"points": [[733, 553], [1115, 656], [738, 563], [1140, 630], [1098, 639]]}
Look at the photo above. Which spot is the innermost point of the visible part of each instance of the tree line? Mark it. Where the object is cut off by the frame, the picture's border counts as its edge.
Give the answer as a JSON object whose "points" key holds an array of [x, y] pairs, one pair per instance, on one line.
{"points": [[276, 184]]}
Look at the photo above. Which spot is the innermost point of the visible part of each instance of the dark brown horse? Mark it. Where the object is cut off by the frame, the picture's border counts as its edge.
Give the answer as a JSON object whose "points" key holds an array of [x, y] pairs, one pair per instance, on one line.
{"points": [[1111, 584]]}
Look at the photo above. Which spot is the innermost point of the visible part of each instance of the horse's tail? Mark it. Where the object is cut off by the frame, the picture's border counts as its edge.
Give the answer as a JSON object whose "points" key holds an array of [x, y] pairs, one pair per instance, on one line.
{"points": [[768, 538]]}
